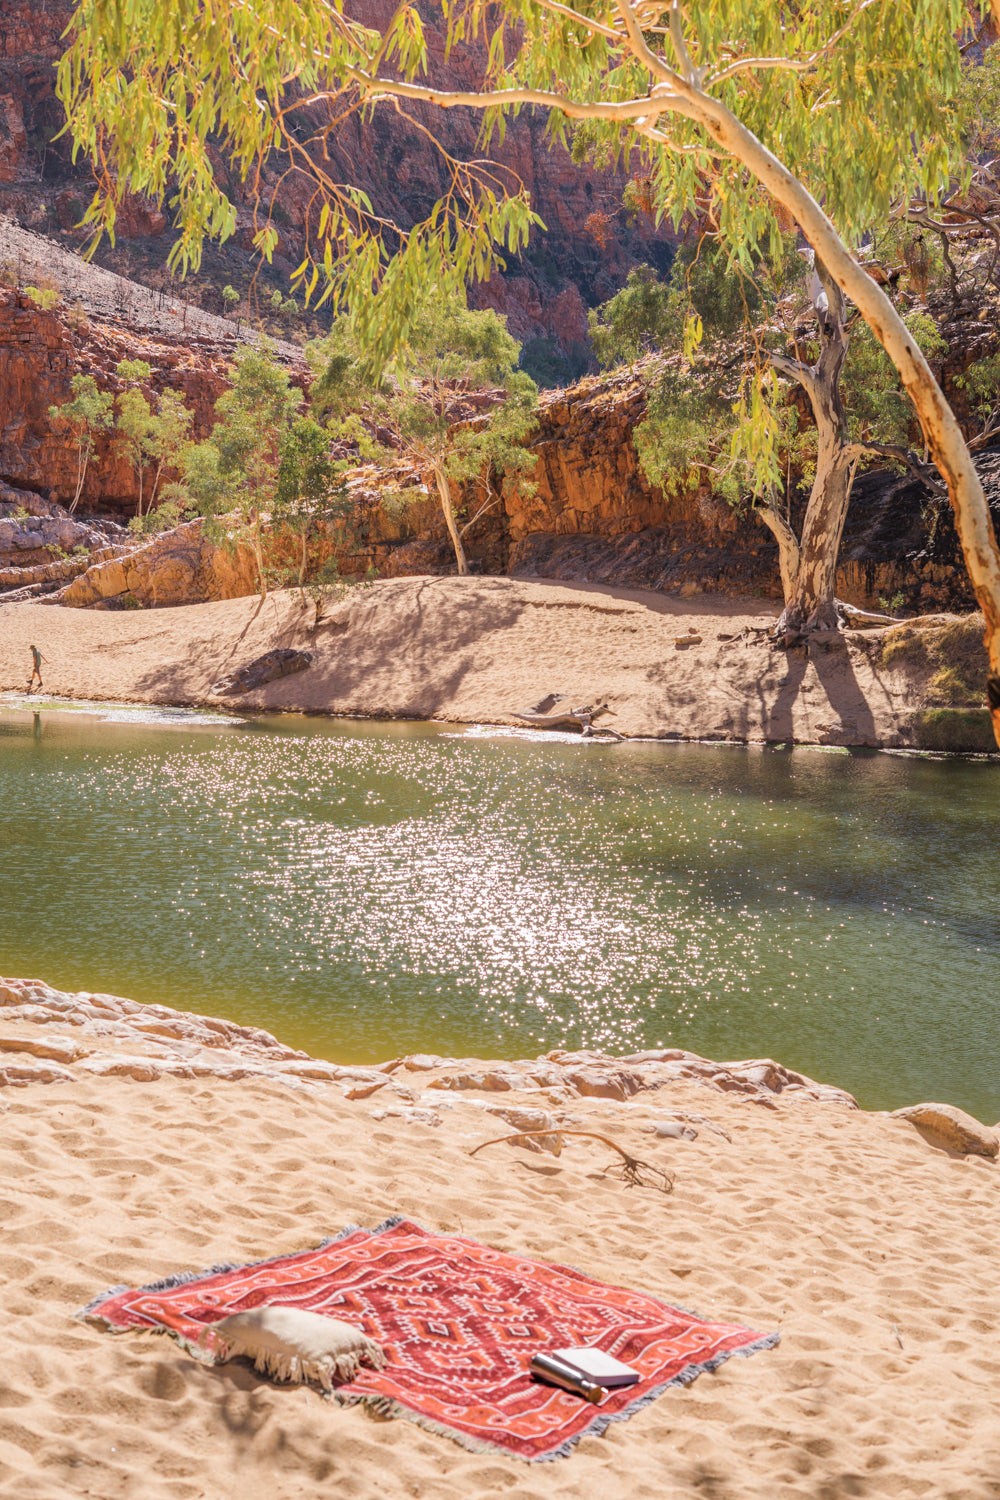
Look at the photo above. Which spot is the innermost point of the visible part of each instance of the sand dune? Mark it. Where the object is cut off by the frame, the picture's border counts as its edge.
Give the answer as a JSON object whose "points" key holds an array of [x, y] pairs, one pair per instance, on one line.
{"points": [[873, 1253]]}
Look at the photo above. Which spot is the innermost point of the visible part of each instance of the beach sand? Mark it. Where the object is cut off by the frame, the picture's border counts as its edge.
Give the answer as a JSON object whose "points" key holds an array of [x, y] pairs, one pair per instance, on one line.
{"points": [[476, 650], [872, 1252]]}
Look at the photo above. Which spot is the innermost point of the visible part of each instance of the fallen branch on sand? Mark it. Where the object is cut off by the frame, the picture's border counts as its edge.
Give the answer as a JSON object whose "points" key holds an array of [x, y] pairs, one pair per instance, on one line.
{"points": [[631, 1170]]}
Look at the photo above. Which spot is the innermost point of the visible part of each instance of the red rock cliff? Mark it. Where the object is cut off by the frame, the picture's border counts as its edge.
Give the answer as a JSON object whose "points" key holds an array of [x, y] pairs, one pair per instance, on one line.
{"points": [[40, 352], [545, 294]]}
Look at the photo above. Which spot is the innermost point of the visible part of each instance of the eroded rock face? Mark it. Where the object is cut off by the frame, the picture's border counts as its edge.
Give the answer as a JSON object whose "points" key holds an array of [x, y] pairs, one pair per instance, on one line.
{"points": [[40, 352], [180, 567], [33, 530], [13, 138]]}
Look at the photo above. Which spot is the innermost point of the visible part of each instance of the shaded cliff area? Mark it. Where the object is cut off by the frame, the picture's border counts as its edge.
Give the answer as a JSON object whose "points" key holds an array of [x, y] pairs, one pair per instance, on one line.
{"points": [[593, 518], [544, 293]]}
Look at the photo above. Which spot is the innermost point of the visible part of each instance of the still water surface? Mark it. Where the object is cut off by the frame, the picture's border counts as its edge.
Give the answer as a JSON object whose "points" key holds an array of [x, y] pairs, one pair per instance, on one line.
{"points": [[367, 890]]}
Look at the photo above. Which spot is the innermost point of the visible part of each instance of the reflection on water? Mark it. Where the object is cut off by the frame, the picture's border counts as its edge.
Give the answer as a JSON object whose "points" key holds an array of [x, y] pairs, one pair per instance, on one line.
{"points": [[366, 890]]}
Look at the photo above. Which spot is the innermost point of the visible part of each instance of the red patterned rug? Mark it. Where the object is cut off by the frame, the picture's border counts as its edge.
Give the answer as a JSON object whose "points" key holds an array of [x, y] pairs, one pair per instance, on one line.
{"points": [[459, 1323]]}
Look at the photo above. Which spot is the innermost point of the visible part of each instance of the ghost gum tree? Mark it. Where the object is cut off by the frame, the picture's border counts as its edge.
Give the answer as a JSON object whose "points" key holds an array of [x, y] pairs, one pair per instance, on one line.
{"points": [[822, 114], [717, 409]]}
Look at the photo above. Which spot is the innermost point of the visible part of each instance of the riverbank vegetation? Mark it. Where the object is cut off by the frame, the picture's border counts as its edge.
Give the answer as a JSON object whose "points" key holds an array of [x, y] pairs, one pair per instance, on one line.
{"points": [[750, 118]]}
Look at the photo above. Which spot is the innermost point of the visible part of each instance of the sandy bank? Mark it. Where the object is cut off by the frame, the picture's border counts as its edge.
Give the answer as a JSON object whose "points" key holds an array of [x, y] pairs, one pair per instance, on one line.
{"points": [[872, 1252], [475, 650]]}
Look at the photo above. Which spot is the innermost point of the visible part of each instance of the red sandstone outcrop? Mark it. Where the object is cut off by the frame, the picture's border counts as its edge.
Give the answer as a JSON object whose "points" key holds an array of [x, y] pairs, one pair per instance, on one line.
{"points": [[180, 567], [40, 352]]}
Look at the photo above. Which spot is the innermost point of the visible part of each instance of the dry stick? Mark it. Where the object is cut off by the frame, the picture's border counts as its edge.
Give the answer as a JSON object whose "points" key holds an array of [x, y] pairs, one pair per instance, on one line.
{"points": [[630, 1169]]}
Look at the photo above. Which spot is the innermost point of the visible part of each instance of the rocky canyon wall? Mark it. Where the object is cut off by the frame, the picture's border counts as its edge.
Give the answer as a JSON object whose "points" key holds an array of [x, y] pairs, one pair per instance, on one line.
{"points": [[544, 293], [40, 352]]}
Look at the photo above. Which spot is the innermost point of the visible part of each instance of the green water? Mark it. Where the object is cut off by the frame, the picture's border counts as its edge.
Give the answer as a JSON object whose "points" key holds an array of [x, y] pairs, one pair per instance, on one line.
{"points": [[366, 890]]}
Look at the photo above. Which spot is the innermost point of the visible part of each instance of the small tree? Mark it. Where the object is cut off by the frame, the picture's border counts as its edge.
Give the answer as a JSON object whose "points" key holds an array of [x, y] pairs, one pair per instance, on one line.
{"points": [[236, 470], [231, 301], [307, 492], [91, 411], [452, 358], [135, 420], [150, 434]]}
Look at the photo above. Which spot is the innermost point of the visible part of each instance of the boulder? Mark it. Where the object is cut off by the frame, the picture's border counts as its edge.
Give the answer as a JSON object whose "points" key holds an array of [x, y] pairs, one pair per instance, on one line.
{"points": [[265, 669], [951, 1129], [611, 1084]]}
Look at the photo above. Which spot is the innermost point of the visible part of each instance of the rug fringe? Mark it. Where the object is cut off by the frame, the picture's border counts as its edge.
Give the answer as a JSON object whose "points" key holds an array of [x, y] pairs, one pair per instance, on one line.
{"points": [[182, 1278], [391, 1409]]}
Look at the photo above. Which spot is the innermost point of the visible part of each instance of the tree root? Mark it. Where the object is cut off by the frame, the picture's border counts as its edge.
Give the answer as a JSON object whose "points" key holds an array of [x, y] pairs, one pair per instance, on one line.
{"points": [[786, 635], [633, 1172]]}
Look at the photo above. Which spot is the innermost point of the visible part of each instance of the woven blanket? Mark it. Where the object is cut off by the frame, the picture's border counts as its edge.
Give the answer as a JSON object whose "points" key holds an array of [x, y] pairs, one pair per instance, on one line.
{"points": [[459, 1323]]}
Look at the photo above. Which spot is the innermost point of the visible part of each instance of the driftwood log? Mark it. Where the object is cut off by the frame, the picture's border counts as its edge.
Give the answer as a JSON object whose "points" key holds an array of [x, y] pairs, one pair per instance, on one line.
{"points": [[633, 1172]]}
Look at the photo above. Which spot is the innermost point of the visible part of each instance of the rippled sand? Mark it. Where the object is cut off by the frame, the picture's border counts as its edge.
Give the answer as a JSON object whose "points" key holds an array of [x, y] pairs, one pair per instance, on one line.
{"points": [[873, 1253]]}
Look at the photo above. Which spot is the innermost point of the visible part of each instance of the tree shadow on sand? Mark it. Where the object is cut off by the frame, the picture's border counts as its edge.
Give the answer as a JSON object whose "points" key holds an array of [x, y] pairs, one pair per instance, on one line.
{"points": [[401, 652], [832, 665]]}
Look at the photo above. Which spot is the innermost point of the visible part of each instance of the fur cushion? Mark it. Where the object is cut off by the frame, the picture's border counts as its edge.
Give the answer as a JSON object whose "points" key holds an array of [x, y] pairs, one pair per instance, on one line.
{"points": [[291, 1344]]}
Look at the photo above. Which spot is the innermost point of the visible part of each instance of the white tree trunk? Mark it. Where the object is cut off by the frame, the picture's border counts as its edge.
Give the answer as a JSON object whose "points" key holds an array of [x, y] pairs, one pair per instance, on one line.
{"points": [[444, 492], [82, 460], [942, 433], [788, 547]]}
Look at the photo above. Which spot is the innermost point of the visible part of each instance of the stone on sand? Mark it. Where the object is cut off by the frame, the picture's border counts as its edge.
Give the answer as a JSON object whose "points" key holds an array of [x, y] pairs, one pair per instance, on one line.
{"points": [[944, 1125]]}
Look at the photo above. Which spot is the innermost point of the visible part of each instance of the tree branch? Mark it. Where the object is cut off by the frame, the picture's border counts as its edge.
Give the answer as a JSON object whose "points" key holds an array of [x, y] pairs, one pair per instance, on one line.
{"points": [[925, 473], [645, 54], [377, 89], [795, 370]]}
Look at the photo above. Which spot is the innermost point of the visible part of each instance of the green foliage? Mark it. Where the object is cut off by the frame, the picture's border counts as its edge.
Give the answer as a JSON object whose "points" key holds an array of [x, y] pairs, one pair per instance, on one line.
{"points": [[236, 470], [450, 354], [879, 410], [981, 383], [164, 517], [307, 493], [637, 320], [152, 433], [713, 404], [979, 104], [829, 88], [133, 371], [44, 297], [89, 412]]}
